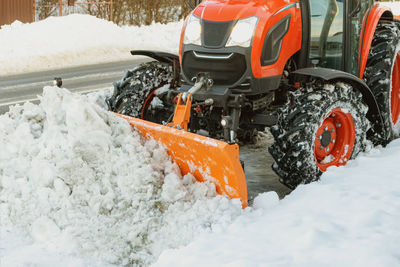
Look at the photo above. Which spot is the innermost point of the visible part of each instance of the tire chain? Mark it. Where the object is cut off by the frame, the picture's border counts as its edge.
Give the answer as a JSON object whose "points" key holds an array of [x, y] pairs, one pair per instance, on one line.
{"points": [[132, 90], [378, 73], [293, 150]]}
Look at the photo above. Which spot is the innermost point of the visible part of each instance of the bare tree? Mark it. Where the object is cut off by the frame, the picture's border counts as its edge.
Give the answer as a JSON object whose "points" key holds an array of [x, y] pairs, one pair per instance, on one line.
{"points": [[125, 12], [46, 8]]}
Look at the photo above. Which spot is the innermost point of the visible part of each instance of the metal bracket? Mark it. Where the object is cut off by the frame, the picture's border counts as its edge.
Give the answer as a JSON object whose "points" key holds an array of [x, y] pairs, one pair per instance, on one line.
{"points": [[182, 113]]}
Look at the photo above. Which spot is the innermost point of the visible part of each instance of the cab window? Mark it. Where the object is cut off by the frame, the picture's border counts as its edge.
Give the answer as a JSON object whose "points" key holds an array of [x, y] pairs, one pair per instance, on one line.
{"points": [[326, 42]]}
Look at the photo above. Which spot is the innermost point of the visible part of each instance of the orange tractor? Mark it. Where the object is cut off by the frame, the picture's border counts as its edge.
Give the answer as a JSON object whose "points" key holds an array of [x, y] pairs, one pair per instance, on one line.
{"points": [[323, 75]]}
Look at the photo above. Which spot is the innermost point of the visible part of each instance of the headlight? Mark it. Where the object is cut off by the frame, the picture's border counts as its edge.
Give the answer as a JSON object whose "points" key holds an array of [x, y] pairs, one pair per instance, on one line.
{"points": [[193, 31], [243, 32]]}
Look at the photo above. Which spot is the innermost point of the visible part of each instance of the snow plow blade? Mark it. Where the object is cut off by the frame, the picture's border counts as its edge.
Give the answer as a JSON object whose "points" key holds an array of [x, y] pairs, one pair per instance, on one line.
{"points": [[206, 158]]}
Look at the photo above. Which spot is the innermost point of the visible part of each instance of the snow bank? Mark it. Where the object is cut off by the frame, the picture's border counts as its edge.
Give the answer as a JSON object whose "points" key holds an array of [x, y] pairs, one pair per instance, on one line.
{"points": [[78, 179], [73, 40], [350, 218]]}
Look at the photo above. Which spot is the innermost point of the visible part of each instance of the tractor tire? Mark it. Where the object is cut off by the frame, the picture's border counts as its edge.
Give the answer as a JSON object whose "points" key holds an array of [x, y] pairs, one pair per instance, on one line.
{"points": [[382, 75], [134, 94], [321, 126]]}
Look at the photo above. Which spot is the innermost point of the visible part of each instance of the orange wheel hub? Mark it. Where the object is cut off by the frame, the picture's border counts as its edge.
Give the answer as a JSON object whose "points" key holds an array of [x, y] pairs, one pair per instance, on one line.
{"points": [[395, 93], [334, 141]]}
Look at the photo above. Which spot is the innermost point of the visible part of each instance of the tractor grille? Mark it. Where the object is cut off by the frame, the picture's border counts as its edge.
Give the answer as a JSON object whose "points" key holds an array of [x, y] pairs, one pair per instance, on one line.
{"points": [[216, 33], [222, 71]]}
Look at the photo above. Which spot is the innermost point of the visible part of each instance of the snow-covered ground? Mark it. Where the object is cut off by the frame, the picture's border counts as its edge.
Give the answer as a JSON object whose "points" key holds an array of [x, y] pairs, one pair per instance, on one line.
{"points": [[349, 218], [80, 187], [74, 40]]}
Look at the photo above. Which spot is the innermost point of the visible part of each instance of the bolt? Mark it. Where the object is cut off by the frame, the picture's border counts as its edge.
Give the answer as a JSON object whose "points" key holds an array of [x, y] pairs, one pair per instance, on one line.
{"points": [[327, 149], [338, 125], [333, 141], [332, 130], [320, 137], [326, 128], [333, 115]]}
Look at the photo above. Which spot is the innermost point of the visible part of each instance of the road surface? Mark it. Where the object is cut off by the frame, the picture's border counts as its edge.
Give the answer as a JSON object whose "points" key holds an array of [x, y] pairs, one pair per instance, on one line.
{"points": [[25, 87], [18, 89]]}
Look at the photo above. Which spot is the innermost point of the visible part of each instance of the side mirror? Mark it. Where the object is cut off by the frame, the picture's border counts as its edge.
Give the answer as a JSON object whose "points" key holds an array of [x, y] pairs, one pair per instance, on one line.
{"points": [[193, 3]]}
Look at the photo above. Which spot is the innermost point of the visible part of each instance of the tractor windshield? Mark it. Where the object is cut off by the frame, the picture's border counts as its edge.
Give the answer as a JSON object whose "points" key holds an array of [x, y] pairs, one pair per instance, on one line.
{"points": [[326, 48], [328, 27]]}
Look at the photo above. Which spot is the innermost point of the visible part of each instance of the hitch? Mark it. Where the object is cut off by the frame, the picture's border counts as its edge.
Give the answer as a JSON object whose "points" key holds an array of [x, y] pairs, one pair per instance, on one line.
{"points": [[182, 111]]}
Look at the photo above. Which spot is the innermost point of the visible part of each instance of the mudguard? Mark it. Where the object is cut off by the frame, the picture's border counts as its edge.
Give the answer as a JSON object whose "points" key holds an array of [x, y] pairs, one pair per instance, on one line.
{"points": [[371, 19], [159, 56]]}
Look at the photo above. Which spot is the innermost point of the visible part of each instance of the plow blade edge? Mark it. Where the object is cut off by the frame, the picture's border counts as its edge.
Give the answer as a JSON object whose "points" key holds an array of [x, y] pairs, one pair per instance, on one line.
{"points": [[205, 158]]}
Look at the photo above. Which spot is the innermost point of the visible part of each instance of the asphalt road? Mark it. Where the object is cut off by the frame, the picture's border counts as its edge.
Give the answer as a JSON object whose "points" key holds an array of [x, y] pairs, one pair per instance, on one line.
{"points": [[18, 89], [25, 87]]}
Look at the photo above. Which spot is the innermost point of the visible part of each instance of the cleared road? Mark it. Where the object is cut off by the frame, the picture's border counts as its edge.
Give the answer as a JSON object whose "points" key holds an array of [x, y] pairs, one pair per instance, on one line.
{"points": [[21, 88], [18, 89]]}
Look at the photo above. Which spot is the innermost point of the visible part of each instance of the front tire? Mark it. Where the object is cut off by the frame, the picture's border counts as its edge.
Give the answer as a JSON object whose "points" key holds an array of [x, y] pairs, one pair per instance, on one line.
{"points": [[321, 126], [137, 94]]}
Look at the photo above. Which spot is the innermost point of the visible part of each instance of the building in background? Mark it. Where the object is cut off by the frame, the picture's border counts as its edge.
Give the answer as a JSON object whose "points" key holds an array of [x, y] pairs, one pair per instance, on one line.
{"points": [[11, 10]]}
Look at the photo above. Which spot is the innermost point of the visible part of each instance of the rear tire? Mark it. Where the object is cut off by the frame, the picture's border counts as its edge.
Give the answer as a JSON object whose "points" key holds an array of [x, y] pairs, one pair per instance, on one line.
{"points": [[321, 126], [134, 94], [382, 75]]}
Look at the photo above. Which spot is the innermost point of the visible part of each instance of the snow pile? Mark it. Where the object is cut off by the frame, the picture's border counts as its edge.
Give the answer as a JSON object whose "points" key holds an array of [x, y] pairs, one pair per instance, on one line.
{"points": [[78, 179], [17, 250], [350, 218], [74, 40]]}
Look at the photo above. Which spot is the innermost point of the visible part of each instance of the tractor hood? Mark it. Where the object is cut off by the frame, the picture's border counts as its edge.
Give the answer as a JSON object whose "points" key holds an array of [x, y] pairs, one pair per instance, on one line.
{"points": [[229, 10]]}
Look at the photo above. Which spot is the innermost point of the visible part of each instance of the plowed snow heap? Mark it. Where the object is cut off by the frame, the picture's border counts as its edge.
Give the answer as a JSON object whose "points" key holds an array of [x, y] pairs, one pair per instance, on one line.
{"points": [[80, 179]]}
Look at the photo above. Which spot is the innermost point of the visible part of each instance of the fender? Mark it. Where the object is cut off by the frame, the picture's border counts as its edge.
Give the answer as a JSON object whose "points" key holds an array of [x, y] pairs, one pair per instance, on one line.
{"points": [[163, 57], [371, 19], [157, 55], [374, 114]]}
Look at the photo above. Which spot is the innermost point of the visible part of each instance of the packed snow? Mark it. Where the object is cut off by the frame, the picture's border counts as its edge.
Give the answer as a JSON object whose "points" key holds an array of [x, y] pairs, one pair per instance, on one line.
{"points": [[76, 179], [73, 40], [349, 218]]}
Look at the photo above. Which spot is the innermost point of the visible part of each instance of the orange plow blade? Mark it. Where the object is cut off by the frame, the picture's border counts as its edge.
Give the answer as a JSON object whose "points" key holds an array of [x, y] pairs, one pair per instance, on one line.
{"points": [[206, 158]]}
